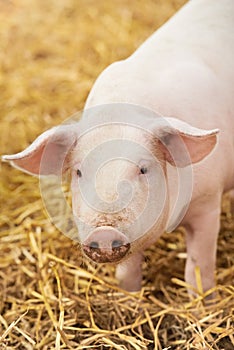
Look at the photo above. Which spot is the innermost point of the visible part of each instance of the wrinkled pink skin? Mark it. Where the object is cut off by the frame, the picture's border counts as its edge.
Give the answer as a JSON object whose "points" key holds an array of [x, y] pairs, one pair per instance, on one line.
{"points": [[185, 71]]}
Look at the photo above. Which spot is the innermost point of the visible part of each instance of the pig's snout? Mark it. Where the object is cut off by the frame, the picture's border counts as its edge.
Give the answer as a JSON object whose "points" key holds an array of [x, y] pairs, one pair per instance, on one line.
{"points": [[106, 244]]}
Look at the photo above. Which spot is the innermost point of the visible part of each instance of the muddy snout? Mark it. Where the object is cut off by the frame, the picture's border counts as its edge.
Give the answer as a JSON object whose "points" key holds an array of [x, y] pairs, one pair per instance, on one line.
{"points": [[106, 244]]}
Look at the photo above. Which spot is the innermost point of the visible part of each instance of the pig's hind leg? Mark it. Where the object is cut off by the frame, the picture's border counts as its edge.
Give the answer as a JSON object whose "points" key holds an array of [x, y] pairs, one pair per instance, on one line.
{"points": [[201, 239], [202, 229]]}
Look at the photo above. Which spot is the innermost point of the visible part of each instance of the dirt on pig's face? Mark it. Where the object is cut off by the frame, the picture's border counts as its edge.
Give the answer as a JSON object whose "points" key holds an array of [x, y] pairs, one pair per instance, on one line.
{"points": [[119, 182]]}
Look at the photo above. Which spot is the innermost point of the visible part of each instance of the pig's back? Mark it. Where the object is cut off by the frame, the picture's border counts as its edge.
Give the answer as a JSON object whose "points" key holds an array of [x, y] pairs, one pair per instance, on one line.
{"points": [[202, 27], [199, 36], [189, 58]]}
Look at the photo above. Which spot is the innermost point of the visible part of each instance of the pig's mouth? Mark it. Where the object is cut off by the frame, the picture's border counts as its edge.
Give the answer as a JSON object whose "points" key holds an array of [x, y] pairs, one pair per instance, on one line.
{"points": [[106, 255]]}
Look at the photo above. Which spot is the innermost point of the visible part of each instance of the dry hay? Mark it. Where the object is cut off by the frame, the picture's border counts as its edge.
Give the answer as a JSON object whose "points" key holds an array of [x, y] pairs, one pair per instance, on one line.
{"points": [[50, 297]]}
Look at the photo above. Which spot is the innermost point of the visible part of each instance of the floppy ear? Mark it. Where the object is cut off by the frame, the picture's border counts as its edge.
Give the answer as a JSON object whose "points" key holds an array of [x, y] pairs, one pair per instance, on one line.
{"points": [[48, 154], [183, 144]]}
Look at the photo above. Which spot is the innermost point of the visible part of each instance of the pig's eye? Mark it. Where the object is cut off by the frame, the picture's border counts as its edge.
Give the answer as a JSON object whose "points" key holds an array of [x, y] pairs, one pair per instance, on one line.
{"points": [[143, 170], [78, 172]]}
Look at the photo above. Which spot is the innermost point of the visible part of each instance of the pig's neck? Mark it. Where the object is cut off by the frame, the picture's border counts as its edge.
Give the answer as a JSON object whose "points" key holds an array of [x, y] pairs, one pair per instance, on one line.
{"points": [[122, 90]]}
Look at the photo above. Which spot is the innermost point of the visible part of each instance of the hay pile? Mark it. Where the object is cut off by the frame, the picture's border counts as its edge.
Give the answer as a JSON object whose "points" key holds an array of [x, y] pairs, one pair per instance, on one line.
{"points": [[50, 297]]}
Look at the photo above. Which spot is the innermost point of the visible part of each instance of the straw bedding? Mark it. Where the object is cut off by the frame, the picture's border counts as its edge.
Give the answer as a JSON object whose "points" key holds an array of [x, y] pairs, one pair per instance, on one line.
{"points": [[50, 296]]}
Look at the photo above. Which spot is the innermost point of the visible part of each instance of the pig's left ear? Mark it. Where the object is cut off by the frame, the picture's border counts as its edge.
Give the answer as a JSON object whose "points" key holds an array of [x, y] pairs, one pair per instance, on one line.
{"points": [[183, 144], [48, 154]]}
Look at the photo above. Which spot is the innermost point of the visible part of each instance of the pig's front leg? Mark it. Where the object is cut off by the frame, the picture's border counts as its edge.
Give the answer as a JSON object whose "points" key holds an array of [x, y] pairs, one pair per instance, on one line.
{"points": [[202, 233], [129, 273]]}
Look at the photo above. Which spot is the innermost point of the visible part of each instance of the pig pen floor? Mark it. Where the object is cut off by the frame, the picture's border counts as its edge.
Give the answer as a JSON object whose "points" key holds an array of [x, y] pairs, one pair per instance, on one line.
{"points": [[50, 296]]}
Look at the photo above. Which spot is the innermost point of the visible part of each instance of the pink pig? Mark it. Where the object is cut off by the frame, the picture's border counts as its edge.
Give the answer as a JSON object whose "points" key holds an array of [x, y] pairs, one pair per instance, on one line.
{"points": [[154, 148]]}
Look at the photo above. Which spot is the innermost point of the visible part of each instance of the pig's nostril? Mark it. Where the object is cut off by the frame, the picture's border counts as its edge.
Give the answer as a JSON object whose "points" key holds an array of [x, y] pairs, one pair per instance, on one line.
{"points": [[94, 245], [116, 243]]}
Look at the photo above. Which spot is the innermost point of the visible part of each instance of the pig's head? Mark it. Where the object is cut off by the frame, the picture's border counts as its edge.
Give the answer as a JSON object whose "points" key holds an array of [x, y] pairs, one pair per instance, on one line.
{"points": [[118, 164]]}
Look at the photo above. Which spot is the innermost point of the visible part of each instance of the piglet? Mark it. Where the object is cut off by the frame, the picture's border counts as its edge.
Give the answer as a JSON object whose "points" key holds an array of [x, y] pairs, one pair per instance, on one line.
{"points": [[154, 148]]}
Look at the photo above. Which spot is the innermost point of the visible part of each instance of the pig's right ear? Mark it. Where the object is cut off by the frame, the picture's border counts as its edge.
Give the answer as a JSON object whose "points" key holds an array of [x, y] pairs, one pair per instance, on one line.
{"points": [[182, 144], [48, 154]]}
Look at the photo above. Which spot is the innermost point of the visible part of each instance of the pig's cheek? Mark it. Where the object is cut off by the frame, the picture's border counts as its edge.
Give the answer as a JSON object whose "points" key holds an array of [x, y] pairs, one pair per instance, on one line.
{"points": [[75, 201], [75, 191], [140, 198]]}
